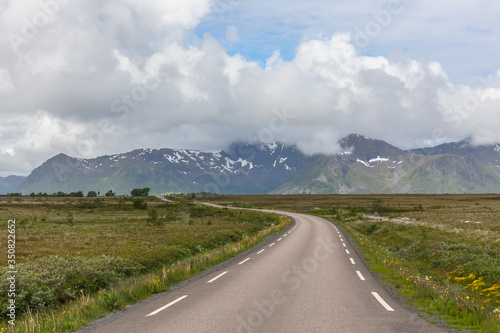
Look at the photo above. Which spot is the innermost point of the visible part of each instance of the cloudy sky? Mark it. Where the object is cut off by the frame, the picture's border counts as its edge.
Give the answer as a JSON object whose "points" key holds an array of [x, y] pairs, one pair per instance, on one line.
{"points": [[95, 77]]}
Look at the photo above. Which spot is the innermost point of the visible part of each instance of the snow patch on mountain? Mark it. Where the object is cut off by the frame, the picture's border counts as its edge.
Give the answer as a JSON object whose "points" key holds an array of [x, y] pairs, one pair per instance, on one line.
{"points": [[378, 159], [272, 147], [363, 162], [229, 166], [173, 159]]}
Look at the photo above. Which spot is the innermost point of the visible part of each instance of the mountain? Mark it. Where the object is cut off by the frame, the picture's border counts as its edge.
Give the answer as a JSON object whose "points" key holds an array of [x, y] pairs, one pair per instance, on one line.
{"points": [[364, 165], [374, 166], [465, 148], [241, 168], [10, 184]]}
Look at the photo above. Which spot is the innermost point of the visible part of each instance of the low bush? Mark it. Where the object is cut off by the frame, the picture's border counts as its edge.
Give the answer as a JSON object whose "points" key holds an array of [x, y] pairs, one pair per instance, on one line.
{"points": [[47, 281], [140, 204]]}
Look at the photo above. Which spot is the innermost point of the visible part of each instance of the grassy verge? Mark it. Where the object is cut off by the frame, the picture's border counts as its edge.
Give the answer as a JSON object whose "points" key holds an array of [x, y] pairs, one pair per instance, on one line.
{"points": [[440, 270], [64, 291]]}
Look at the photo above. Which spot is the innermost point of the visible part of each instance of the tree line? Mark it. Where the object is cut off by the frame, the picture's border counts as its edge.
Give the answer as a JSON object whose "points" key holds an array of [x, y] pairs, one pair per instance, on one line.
{"points": [[136, 192]]}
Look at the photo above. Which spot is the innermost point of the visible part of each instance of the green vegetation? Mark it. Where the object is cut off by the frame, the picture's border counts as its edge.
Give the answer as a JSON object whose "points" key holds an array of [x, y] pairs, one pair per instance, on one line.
{"points": [[86, 257], [445, 278], [140, 204], [77, 194], [92, 194], [140, 192], [440, 252], [110, 193]]}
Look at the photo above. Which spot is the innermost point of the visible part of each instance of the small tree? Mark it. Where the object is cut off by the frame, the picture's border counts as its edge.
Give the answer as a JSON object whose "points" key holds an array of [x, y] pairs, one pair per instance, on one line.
{"points": [[71, 221], [140, 204], [92, 194], [110, 193], [153, 217], [25, 222]]}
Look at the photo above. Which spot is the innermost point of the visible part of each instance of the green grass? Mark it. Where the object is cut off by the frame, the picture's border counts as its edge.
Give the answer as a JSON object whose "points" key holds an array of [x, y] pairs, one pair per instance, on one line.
{"points": [[89, 307], [80, 259], [443, 272], [420, 244]]}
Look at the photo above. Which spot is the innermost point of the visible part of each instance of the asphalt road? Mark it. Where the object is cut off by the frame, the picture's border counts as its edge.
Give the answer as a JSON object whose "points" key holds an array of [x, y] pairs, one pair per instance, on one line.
{"points": [[307, 280]]}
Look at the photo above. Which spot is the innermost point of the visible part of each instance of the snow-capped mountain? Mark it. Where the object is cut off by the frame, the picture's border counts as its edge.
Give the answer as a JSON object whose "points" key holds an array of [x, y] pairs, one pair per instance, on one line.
{"points": [[364, 165], [241, 168]]}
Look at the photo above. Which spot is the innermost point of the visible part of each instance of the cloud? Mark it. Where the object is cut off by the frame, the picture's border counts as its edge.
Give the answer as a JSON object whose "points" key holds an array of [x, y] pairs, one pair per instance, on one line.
{"points": [[232, 34], [107, 77]]}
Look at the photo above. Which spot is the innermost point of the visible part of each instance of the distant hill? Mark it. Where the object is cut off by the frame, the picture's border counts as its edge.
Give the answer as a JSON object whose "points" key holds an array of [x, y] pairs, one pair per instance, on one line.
{"points": [[364, 165], [10, 184]]}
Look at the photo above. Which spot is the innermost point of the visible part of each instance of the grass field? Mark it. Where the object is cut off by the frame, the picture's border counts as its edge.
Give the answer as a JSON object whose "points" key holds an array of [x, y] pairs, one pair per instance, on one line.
{"points": [[93, 256], [441, 252], [77, 259]]}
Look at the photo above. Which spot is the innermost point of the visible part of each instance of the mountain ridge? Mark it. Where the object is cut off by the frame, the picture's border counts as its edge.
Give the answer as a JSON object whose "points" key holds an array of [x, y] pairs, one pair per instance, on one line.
{"points": [[241, 168], [364, 165], [10, 183], [374, 166]]}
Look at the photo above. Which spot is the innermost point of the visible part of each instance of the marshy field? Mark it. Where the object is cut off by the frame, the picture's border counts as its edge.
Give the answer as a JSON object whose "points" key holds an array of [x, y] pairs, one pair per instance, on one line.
{"points": [[78, 259]]}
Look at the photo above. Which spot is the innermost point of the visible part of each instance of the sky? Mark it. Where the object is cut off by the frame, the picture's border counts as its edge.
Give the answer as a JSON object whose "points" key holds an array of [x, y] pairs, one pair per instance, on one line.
{"points": [[96, 77]]}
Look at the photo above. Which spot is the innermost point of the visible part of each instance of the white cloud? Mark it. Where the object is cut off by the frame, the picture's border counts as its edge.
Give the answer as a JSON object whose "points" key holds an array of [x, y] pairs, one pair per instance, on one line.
{"points": [[6, 85], [232, 34], [112, 76]]}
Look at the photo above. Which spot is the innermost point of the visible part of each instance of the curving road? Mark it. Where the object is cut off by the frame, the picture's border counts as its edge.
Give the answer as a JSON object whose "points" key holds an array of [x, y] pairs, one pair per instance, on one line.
{"points": [[307, 280]]}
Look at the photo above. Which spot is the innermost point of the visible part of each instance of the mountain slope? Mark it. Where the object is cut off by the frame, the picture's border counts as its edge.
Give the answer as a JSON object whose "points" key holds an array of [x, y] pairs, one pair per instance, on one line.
{"points": [[374, 166], [242, 168], [10, 184], [448, 173], [364, 166]]}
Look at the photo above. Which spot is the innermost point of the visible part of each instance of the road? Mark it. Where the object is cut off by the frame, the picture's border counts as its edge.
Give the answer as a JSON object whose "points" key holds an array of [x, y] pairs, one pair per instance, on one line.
{"points": [[307, 280]]}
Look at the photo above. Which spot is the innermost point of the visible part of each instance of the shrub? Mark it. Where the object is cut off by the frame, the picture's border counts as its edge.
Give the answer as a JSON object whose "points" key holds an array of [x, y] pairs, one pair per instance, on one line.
{"points": [[137, 192], [140, 204], [153, 217], [198, 211], [70, 219], [45, 281]]}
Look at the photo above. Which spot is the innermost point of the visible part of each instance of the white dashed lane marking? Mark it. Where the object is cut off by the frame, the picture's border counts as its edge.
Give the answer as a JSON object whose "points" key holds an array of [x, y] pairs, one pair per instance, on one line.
{"points": [[244, 261], [218, 276], [381, 301], [166, 306]]}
